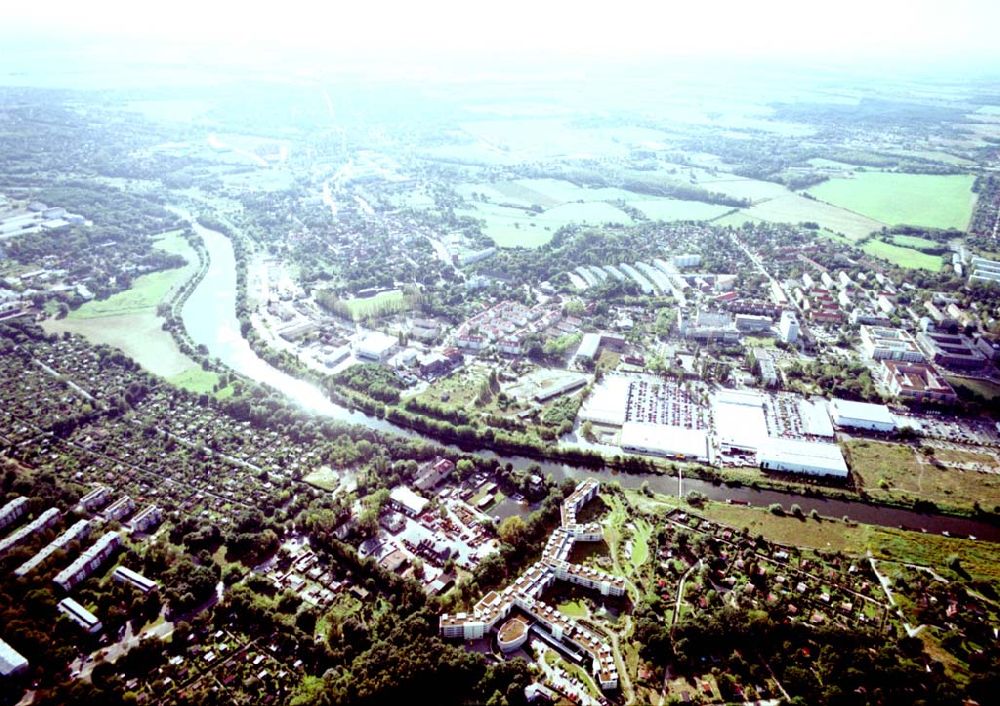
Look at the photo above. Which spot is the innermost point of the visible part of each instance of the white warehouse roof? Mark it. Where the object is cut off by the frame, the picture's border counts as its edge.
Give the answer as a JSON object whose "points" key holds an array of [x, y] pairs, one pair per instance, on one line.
{"points": [[663, 440], [812, 457], [848, 410]]}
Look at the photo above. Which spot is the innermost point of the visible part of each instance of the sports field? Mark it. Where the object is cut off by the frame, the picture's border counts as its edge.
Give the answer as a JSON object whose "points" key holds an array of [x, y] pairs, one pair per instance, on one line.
{"points": [[931, 200]]}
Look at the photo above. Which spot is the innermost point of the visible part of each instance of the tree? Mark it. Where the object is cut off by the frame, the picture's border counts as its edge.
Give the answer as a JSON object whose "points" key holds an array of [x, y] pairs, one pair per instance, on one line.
{"points": [[512, 530]]}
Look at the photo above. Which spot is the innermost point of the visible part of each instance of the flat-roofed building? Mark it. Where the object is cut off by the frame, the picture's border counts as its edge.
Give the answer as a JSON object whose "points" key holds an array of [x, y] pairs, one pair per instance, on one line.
{"points": [[880, 343], [862, 415], [917, 381], [80, 615], [85, 564], [376, 347], [12, 512], [43, 521], [588, 346], [126, 575], [12, 662]]}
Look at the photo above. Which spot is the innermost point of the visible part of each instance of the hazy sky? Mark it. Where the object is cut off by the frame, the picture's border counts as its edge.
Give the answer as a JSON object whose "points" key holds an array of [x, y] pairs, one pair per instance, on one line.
{"points": [[840, 29]]}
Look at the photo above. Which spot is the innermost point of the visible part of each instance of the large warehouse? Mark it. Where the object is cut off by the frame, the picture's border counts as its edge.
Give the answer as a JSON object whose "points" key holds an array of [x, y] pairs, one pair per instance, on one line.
{"points": [[739, 419], [861, 415], [662, 440], [809, 457]]}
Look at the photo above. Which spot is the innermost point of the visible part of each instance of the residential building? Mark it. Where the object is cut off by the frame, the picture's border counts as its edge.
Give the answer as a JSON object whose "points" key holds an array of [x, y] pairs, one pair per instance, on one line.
{"points": [[85, 564], [94, 499], [12, 512], [126, 575], [431, 474], [952, 350], [43, 521], [879, 343], [78, 531], [917, 381], [118, 509], [80, 615], [789, 326], [12, 662], [149, 517]]}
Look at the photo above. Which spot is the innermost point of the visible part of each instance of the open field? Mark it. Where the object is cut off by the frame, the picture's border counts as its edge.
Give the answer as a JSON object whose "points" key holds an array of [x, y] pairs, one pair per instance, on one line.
{"points": [[794, 208], [516, 227], [678, 210], [902, 256], [128, 321], [640, 543], [897, 471], [935, 201]]}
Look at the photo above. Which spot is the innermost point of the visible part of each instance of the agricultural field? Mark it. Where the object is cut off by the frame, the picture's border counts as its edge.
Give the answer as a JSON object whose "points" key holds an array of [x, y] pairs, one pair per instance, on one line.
{"points": [[930, 200], [900, 472], [914, 241], [903, 256], [516, 227]]}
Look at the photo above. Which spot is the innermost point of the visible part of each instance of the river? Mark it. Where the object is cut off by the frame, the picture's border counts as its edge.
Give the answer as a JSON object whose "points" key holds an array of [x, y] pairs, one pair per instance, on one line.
{"points": [[209, 315]]}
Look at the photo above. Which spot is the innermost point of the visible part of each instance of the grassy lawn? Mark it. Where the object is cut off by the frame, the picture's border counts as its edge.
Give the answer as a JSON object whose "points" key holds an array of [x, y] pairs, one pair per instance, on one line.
{"points": [[895, 471], [378, 305], [935, 201], [989, 390], [515, 227], [914, 241], [573, 609], [324, 478], [904, 257], [459, 390], [640, 543], [613, 530], [196, 380]]}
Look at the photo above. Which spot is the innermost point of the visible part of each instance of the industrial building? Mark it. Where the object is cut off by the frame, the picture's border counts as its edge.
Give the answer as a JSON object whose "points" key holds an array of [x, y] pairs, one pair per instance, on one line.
{"points": [[862, 415], [431, 474], [376, 347], [79, 530], [43, 521], [126, 575], [405, 500], [80, 615], [588, 346], [918, 382], [881, 343], [87, 563], [12, 662], [812, 458], [661, 440], [12, 512]]}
